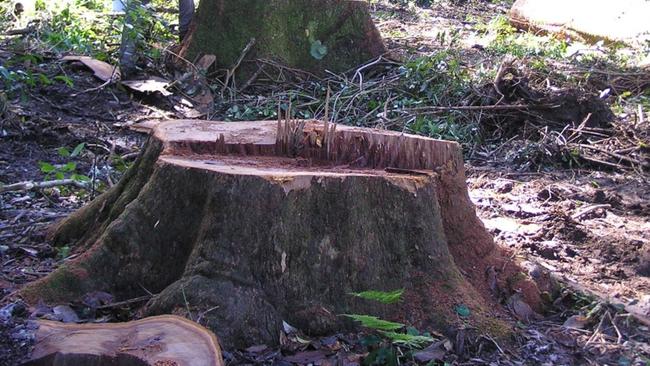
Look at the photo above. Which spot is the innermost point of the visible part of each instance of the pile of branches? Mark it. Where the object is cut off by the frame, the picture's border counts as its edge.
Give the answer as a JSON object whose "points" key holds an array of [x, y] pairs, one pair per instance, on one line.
{"points": [[521, 115]]}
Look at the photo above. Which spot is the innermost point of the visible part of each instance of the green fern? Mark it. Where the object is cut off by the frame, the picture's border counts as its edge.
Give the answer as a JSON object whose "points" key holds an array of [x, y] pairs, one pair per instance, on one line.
{"points": [[408, 340], [389, 297], [373, 322]]}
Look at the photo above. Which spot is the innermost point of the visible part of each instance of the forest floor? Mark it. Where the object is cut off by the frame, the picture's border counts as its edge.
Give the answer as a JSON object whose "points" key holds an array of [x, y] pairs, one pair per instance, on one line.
{"points": [[578, 214]]}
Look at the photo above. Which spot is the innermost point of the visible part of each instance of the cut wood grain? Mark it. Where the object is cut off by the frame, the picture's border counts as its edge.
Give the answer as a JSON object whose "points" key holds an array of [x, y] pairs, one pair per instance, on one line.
{"points": [[161, 340]]}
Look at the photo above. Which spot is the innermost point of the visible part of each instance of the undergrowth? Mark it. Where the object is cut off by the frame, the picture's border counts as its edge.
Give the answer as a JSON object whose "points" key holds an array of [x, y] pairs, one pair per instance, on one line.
{"points": [[438, 79], [389, 343], [80, 27]]}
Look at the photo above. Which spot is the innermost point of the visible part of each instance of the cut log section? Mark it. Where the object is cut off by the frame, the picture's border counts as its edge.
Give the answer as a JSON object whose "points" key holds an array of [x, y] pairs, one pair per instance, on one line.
{"points": [[165, 340], [253, 223], [589, 20]]}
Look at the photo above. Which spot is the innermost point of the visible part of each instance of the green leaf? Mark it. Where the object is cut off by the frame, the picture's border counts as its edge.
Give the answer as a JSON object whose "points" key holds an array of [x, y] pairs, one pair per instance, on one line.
{"points": [[373, 322], [59, 175], [69, 167], [78, 149], [64, 79], [389, 297], [44, 80], [80, 178], [46, 167], [6, 74], [462, 310], [63, 152], [63, 252], [384, 356], [409, 340], [318, 50], [370, 340], [412, 331]]}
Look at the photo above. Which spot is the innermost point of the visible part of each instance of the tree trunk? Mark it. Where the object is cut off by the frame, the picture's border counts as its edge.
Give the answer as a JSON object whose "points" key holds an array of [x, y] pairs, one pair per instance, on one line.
{"points": [[310, 35], [261, 222], [131, 30]]}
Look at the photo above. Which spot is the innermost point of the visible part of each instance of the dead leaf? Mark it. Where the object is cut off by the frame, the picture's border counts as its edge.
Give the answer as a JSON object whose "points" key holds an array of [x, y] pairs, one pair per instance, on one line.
{"points": [[101, 69], [576, 322], [306, 357], [150, 85], [97, 298], [256, 349], [145, 126], [288, 328], [205, 62], [509, 225], [521, 310], [565, 338], [434, 352], [204, 101], [332, 343]]}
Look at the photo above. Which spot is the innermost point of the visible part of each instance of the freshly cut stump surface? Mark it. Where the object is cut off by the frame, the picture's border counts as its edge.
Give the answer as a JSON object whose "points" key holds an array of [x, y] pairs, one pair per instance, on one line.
{"points": [[164, 340], [247, 224]]}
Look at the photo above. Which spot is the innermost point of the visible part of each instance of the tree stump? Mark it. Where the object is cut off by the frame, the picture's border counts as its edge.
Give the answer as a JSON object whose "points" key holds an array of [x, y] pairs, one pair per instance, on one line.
{"points": [[247, 224], [310, 35], [156, 341]]}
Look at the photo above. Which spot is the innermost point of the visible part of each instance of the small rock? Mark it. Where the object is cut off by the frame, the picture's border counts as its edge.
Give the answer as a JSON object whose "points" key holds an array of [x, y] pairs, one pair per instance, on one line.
{"points": [[65, 314], [16, 309]]}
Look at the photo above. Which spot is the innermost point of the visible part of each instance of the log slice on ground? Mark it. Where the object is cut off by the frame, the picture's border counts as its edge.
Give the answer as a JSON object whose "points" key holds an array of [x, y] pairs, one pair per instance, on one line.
{"points": [[165, 340], [248, 224]]}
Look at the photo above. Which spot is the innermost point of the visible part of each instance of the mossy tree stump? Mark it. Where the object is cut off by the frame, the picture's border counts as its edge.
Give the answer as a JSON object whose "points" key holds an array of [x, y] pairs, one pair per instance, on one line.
{"points": [[253, 223], [310, 35]]}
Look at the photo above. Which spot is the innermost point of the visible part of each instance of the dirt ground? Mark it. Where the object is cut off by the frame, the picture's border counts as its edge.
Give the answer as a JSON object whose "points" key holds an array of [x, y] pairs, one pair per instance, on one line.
{"points": [[587, 229]]}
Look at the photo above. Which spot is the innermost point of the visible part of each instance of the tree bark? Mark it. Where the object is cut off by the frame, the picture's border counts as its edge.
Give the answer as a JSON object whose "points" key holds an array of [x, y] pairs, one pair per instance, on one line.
{"points": [[280, 220], [133, 26]]}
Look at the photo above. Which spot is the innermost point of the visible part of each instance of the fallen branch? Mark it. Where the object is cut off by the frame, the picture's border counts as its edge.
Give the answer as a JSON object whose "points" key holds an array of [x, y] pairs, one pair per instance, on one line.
{"points": [[19, 32], [508, 107], [244, 52], [602, 162], [28, 186], [634, 311], [108, 82], [589, 209], [615, 155], [125, 302]]}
